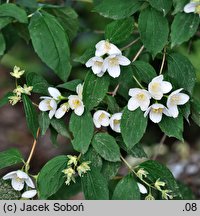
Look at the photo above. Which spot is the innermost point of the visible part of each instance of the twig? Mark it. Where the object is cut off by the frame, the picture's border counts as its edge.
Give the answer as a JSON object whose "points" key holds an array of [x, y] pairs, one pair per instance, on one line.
{"points": [[138, 53], [130, 44], [160, 146], [137, 81], [115, 91], [32, 150], [35, 104], [163, 61]]}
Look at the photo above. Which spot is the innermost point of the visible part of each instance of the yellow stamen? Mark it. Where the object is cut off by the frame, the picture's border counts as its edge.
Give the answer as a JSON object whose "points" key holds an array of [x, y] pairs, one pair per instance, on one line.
{"points": [[141, 96], [102, 116], [159, 110], [113, 61], [98, 63], [116, 122], [76, 103], [197, 9], [155, 87], [107, 46]]}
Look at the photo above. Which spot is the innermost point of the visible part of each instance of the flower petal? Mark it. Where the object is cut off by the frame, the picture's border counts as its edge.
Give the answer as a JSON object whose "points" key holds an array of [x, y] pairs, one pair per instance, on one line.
{"points": [[155, 117], [105, 121], [89, 63], [142, 188], [17, 184], [96, 69], [114, 71], [113, 50], [123, 60], [132, 104], [60, 112], [147, 111], [134, 91], [22, 174], [166, 87], [29, 182], [190, 7], [55, 93], [29, 194], [173, 110], [100, 74], [10, 175], [51, 113], [144, 104], [44, 105], [184, 98], [53, 104], [79, 110]]}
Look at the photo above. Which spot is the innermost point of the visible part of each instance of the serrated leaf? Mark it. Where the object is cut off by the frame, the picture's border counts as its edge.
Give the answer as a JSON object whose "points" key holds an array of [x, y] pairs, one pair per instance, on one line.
{"points": [[44, 122], [117, 9], [106, 146], [154, 30], [95, 186], [50, 43], [161, 5], [31, 115], [157, 171], [133, 127], [181, 72], [12, 10], [82, 128], [2, 44], [120, 30], [144, 71], [184, 26], [51, 178], [172, 127], [10, 157], [94, 90], [126, 189], [40, 85], [61, 127], [71, 85]]}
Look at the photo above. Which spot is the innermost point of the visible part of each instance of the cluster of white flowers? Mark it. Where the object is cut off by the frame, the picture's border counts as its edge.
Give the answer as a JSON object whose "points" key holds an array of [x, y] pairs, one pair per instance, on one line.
{"points": [[193, 7], [19, 90], [18, 181], [51, 103], [112, 61], [73, 167], [156, 90], [103, 118]]}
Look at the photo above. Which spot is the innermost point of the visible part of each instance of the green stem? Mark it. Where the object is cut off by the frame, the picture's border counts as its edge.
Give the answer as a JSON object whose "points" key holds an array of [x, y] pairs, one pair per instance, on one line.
{"points": [[137, 81]]}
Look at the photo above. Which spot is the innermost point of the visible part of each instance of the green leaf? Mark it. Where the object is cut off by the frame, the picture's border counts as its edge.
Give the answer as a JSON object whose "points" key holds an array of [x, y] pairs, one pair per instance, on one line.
{"points": [[29, 3], [44, 122], [7, 192], [126, 189], [181, 72], [186, 192], [40, 85], [71, 85], [144, 71], [94, 90], [113, 107], [120, 30], [68, 18], [31, 115], [50, 43], [117, 9], [195, 106], [172, 127], [94, 185], [2, 44], [4, 21], [133, 127], [4, 100], [92, 156], [61, 127], [158, 171], [183, 28], [53, 136], [12, 10], [89, 53], [110, 169], [154, 30], [51, 178], [106, 146], [82, 128], [10, 157], [179, 5], [161, 5]]}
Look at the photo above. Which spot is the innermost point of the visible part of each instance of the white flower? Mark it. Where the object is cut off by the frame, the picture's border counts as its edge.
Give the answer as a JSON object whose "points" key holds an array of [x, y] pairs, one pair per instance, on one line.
{"points": [[97, 65], [29, 194], [27, 89], [101, 118], [18, 91], [157, 87], [112, 64], [62, 110], [176, 98], [79, 90], [156, 111], [142, 188], [105, 47], [139, 98], [18, 178], [115, 122], [48, 104], [192, 7], [17, 73], [55, 93], [76, 104]]}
